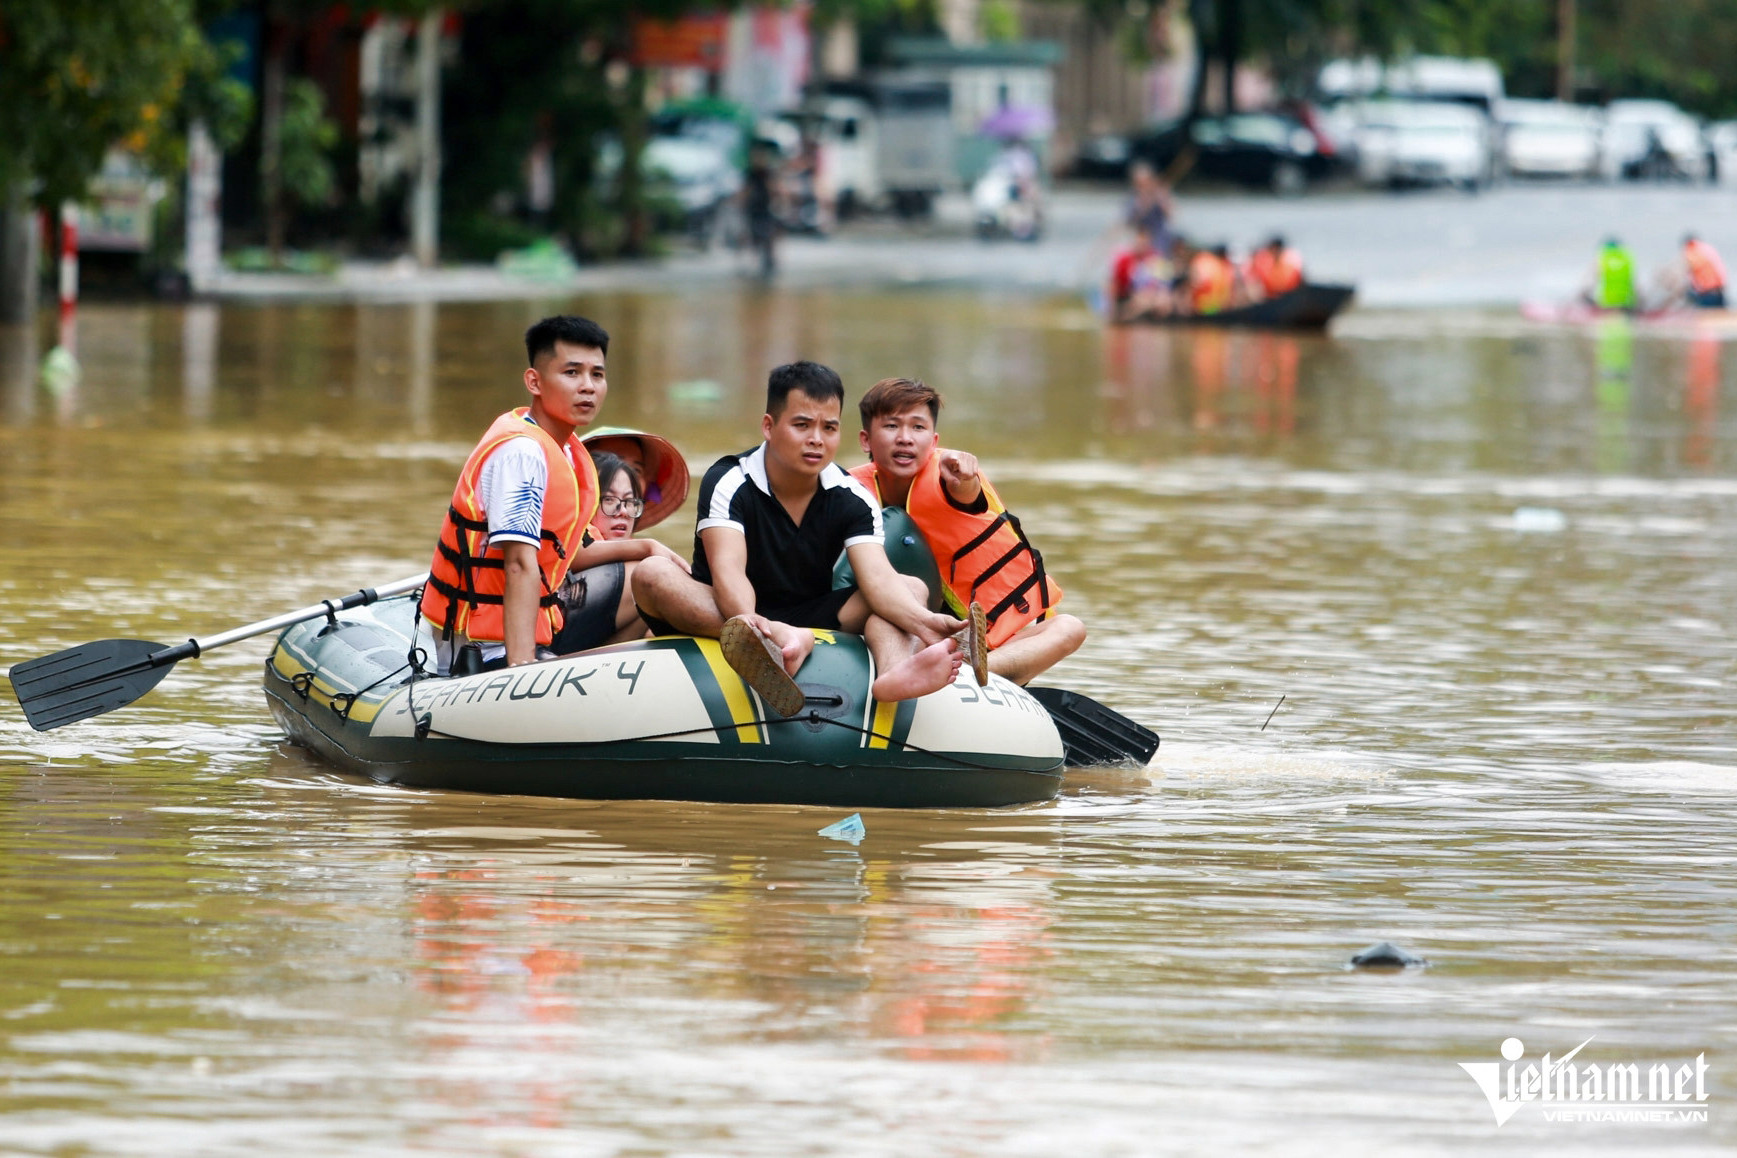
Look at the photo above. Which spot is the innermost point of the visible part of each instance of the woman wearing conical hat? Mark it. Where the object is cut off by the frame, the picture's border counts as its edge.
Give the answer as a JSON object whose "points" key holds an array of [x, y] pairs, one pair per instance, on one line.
{"points": [[638, 488]]}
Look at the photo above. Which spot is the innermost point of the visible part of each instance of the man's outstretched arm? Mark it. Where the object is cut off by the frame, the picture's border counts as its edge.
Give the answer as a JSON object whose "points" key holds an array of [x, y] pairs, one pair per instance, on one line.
{"points": [[891, 598]]}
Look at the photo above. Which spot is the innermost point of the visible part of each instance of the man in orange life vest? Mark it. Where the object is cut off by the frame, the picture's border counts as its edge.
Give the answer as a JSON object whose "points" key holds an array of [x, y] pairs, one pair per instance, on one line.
{"points": [[1211, 281], [772, 521], [1272, 270], [1706, 274], [979, 547], [517, 514]]}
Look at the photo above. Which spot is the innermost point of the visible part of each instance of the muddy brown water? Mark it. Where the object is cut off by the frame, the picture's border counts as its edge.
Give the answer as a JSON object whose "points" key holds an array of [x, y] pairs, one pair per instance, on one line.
{"points": [[1487, 566]]}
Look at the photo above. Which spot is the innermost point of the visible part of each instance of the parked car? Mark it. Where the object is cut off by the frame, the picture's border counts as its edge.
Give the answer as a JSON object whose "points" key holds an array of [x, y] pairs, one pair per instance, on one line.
{"points": [[1104, 157], [1651, 139], [689, 180], [1261, 149], [1549, 138], [1424, 143]]}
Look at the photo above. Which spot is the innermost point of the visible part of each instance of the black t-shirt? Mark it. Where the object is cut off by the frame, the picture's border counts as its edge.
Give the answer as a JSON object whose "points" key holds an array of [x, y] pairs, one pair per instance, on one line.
{"points": [[787, 564]]}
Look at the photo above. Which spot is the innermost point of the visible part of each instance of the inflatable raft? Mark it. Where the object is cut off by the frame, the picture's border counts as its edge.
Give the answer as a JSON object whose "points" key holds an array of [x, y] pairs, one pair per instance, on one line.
{"points": [[661, 718]]}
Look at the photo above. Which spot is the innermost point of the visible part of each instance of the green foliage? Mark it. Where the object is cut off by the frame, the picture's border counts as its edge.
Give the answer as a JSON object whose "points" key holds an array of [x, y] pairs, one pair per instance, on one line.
{"points": [[481, 235], [1680, 51], [80, 76], [506, 90], [308, 139], [999, 20], [878, 21], [532, 69]]}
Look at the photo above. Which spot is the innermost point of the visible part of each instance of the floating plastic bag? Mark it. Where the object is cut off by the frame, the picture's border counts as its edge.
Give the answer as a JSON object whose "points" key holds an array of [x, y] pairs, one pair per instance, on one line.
{"points": [[850, 828], [1539, 519]]}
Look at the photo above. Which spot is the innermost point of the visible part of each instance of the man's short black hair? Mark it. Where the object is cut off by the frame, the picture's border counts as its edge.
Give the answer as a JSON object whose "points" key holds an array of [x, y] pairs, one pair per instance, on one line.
{"points": [[540, 339], [818, 382]]}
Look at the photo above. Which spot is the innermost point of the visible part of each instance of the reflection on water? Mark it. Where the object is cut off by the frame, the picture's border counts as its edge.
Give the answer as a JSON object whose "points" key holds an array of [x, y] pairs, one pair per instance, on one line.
{"points": [[1020, 376], [1508, 749]]}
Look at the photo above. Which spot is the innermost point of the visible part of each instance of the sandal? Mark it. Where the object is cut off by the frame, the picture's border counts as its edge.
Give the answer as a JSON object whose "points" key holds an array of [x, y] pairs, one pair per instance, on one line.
{"points": [[974, 642], [760, 663]]}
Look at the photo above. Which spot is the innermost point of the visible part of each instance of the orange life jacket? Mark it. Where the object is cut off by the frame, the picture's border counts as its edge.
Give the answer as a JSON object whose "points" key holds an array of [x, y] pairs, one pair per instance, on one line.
{"points": [[984, 557], [468, 578], [1275, 275], [1706, 271], [1211, 281]]}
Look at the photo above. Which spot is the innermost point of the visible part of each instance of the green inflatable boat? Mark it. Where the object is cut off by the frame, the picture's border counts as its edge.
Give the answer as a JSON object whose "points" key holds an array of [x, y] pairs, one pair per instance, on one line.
{"points": [[661, 718]]}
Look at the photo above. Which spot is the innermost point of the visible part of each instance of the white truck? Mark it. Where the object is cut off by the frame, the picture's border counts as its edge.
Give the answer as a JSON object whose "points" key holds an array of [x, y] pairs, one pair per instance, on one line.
{"points": [[884, 144]]}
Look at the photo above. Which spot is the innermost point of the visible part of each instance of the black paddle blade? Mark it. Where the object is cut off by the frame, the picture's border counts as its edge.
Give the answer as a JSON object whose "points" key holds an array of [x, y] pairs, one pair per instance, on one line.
{"points": [[86, 680], [1093, 734]]}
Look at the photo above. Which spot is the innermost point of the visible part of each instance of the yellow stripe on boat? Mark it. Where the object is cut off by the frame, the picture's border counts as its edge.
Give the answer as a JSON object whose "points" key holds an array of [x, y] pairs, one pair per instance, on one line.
{"points": [[882, 727], [322, 692], [734, 690]]}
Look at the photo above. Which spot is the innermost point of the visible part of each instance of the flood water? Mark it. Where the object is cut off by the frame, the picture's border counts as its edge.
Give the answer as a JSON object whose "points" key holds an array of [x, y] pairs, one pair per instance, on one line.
{"points": [[1487, 568]]}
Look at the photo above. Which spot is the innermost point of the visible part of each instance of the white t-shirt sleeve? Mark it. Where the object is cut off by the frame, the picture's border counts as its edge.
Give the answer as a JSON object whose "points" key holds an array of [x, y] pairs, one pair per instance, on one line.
{"points": [[718, 509], [863, 526], [511, 487]]}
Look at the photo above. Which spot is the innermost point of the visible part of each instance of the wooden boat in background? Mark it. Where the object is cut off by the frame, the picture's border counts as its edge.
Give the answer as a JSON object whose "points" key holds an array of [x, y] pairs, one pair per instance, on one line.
{"points": [[1309, 307]]}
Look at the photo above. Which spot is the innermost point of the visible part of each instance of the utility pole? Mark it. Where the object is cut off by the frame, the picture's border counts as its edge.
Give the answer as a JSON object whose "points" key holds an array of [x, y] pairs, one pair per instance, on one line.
{"points": [[1565, 33], [425, 199], [204, 218]]}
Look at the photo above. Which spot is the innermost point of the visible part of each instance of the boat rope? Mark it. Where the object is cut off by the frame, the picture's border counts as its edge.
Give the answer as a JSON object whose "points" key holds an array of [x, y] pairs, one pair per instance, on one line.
{"points": [[302, 683], [425, 728]]}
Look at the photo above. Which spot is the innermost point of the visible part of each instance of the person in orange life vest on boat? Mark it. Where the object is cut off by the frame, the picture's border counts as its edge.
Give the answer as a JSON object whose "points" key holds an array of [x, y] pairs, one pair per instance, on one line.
{"points": [[1703, 275], [1274, 269], [1212, 282], [771, 522], [979, 547], [518, 511]]}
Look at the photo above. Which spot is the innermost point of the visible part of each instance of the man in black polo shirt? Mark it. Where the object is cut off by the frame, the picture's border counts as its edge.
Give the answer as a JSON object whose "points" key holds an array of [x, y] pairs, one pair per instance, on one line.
{"points": [[772, 522]]}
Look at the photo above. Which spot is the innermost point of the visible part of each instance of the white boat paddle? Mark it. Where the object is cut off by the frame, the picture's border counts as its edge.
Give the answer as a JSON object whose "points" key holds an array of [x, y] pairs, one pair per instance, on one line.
{"points": [[94, 678]]}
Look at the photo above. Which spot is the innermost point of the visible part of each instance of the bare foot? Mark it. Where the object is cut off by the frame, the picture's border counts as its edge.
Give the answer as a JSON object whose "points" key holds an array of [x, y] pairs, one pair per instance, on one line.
{"points": [[793, 643], [929, 670]]}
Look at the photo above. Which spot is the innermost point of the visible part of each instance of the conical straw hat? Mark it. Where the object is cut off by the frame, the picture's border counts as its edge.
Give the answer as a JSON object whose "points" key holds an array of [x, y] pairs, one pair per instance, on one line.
{"points": [[666, 471]]}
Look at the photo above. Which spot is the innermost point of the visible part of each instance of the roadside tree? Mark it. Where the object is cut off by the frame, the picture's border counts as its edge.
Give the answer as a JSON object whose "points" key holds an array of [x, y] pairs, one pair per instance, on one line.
{"points": [[78, 77]]}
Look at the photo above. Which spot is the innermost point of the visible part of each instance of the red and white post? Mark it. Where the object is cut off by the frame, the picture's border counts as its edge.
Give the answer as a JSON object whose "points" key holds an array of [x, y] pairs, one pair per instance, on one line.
{"points": [[69, 276]]}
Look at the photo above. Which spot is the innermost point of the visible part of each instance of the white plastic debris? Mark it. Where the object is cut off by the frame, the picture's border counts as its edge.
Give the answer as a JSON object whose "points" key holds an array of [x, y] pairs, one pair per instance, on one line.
{"points": [[850, 828], [1541, 519]]}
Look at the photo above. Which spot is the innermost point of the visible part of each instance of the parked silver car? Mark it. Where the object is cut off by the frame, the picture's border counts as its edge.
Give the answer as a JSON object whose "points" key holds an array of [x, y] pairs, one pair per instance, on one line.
{"points": [[1424, 143], [1550, 138]]}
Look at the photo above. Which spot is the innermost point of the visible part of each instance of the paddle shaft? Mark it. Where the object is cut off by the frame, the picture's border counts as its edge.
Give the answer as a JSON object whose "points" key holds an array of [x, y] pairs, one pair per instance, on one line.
{"points": [[362, 598], [93, 678]]}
